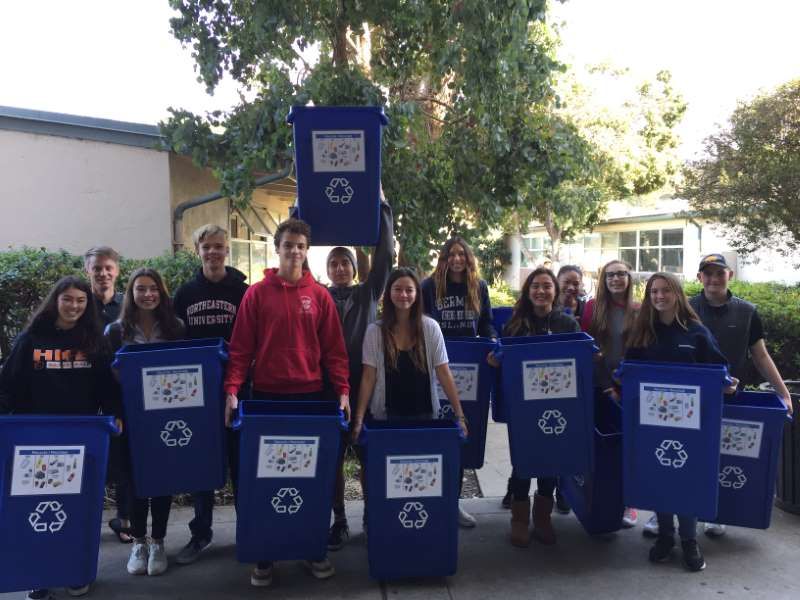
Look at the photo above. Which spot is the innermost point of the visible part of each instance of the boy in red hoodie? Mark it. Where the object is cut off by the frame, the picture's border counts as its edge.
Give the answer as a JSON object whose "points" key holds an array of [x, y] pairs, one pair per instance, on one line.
{"points": [[287, 327]]}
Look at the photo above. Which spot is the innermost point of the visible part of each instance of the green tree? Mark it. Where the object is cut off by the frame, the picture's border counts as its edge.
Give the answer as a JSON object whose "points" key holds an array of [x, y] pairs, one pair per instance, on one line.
{"points": [[458, 79], [749, 178]]}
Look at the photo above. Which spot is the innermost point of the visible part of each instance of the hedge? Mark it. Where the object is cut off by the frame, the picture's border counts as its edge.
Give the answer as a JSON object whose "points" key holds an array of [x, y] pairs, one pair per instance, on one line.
{"points": [[26, 275]]}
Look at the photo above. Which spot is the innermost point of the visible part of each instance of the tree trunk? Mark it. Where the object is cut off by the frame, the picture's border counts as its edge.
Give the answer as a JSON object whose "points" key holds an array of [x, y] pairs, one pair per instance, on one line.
{"points": [[340, 36], [555, 237]]}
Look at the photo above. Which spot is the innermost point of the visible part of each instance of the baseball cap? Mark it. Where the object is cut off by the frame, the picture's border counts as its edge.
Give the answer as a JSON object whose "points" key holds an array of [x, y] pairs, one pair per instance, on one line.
{"points": [[716, 260]]}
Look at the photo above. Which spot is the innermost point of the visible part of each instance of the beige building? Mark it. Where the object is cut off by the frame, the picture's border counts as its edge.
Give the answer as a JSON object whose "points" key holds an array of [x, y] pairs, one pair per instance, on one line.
{"points": [[73, 182]]}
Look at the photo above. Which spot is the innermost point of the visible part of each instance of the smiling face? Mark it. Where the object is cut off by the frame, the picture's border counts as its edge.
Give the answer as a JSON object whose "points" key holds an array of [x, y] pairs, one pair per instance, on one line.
{"points": [[145, 293], [103, 272], [617, 279], [71, 305], [213, 250], [542, 293], [457, 259], [715, 280], [662, 297], [403, 293], [292, 251], [340, 270], [570, 284]]}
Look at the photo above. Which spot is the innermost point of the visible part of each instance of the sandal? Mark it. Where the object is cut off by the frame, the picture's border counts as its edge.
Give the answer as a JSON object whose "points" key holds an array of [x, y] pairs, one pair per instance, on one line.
{"points": [[123, 533]]}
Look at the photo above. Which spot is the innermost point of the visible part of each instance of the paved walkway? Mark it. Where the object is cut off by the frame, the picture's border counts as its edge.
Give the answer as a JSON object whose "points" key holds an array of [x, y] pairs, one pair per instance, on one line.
{"points": [[745, 563]]}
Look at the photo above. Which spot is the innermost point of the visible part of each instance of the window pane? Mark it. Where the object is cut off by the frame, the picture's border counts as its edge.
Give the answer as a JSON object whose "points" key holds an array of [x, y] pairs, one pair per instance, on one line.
{"points": [[609, 255], [672, 237], [591, 241], [672, 260], [629, 256], [610, 240], [259, 263], [240, 256], [528, 243], [648, 239], [648, 260], [627, 239]]}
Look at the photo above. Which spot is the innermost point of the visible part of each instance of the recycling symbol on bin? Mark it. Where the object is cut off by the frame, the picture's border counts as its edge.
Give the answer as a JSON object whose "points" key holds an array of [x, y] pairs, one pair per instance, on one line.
{"points": [[287, 500], [579, 480], [48, 516], [732, 477], [413, 515], [339, 190], [446, 411], [176, 433], [671, 454], [552, 422]]}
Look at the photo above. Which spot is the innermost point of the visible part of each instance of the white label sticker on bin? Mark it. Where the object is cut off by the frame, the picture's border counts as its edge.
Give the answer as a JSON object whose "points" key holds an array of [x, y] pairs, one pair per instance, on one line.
{"points": [[741, 438], [667, 405], [179, 386], [47, 470], [282, 456], [549, 379], [417, 476], [466, 377], [338, 150]]}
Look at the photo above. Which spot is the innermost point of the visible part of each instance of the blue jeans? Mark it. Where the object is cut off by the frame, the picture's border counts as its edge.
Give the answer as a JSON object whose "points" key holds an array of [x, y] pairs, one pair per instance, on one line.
{"points": [[687, 526]]}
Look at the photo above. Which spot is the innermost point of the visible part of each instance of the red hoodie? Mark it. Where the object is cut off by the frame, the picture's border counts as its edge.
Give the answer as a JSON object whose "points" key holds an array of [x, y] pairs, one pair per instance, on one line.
{"points": [[287, 331]]}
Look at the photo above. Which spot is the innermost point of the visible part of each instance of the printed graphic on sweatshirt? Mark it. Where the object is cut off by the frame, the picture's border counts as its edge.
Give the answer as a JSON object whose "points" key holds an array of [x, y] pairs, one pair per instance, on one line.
{"points": [[418, 476], [667, 405], [179, 386], [50, 358], [466, 377], [281, 456], [741, 438], [210, 312], [549, 379], [47, 470], [453, 314], [337, 151]]}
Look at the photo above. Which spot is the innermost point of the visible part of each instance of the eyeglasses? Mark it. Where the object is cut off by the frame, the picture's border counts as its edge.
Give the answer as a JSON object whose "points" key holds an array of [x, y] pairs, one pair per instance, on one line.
{"points": [[613, 274]]}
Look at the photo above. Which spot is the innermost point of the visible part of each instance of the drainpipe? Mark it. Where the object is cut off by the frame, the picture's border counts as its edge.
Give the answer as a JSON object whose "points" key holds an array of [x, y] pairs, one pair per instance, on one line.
{"points": [[177, 214]]}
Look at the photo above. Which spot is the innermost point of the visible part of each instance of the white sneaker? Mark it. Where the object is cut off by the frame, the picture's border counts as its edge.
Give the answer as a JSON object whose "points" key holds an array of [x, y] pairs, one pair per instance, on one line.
{"points": [[321, 569], [157, 562], [137, 563], [78, 591], [713, 530], [261, 575], [465, 519], [650, 529]]}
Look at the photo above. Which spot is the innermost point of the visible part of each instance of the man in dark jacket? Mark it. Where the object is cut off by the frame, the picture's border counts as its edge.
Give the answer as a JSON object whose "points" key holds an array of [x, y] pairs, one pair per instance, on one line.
{"points": [[357, 305], [207, 305]]}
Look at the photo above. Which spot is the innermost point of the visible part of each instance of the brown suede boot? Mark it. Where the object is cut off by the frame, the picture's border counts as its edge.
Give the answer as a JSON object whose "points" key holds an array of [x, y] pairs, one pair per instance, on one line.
{"points": [[542, 527], [520, 523]]}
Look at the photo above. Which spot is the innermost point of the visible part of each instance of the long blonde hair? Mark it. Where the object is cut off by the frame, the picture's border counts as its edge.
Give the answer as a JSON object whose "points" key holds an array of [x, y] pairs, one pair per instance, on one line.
{"points": [[644, 331], [473, 300], [599, 328]]}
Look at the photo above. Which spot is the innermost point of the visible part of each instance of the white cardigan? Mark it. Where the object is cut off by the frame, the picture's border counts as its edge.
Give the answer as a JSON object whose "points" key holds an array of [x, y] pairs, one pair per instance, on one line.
{"points": [[372, 355]]}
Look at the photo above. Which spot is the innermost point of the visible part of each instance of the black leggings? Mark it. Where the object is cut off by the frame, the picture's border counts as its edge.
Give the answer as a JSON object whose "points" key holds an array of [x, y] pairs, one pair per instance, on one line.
{"points": [[159, 510], [521, 486]]}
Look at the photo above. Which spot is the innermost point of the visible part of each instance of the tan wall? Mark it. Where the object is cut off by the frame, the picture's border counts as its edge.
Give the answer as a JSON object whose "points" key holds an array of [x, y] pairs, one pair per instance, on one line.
{"points": [[72, 194]]}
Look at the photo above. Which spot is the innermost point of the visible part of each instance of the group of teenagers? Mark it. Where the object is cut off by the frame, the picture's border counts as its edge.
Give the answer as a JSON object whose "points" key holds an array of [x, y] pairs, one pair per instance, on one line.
{"points": [[290, 338]]}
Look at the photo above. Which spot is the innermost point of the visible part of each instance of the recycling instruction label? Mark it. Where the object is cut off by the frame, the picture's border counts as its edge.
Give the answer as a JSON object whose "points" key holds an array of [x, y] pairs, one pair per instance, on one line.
{"points": [[668, 405], [549, 379], [465, 376], [416, 476], [287, 456], [741, 438], [338, 151], [47, 470], [179, 386]]}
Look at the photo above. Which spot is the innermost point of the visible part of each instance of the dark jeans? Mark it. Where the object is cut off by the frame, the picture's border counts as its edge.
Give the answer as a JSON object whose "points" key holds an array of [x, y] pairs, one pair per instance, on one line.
{"points": [[122, 495], [521, 486], [203, 501], [159, 510], [687, 526]]}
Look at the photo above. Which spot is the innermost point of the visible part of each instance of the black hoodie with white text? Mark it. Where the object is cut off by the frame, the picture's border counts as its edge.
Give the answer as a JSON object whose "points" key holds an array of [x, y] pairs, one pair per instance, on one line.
{"points": [[207, 308]]}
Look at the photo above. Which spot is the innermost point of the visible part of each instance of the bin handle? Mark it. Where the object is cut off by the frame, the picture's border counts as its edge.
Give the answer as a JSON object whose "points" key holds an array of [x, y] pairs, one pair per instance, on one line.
{"points": [[223, 355], [343, 423], [236, 424], [498, 350]]}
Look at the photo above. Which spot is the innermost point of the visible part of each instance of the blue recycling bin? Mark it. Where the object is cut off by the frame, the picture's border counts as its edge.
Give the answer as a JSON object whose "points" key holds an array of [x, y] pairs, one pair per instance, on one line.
{"points": [[412, 483], [596, 496], [287, 471], [51, 506], [750, 443], [671, 427], [474, 378], [338, 161], [547, 386], [174, 414], [500, 316]]}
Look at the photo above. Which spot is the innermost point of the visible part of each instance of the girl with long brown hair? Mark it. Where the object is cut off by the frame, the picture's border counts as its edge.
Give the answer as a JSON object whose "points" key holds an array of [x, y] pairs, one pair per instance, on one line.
{"points": [[146, 317], [668, 330]]}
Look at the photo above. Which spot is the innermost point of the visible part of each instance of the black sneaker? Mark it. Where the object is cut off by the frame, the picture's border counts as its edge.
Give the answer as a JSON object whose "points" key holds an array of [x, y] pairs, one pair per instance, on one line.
{"points": [[506, 501], [39, 595], [338, 535], [692, 557], [562, 506], [191, 551], [662, 549]]}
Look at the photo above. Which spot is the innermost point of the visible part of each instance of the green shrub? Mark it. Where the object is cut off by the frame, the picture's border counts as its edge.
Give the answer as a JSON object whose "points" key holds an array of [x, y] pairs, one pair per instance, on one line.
{"points": [[501, 294], [26, 275]]}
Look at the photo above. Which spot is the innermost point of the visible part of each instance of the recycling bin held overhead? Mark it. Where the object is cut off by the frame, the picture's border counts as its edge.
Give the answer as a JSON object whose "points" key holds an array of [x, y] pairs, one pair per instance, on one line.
{"points": [[412, 498], [752, 427], [671, 436], [474, 378], [548, 390], [338, 163], [596, 496], [174, 403], [287, 469], [51, 506]]}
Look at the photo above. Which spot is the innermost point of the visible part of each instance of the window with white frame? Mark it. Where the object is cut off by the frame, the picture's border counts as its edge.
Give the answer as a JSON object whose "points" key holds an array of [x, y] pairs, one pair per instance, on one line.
{"points": [[646, 250], [251, 253]]}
